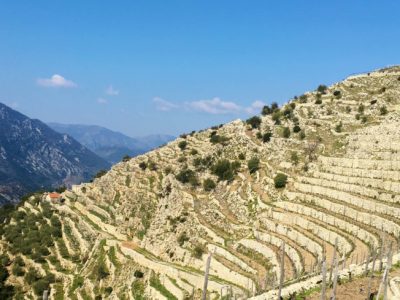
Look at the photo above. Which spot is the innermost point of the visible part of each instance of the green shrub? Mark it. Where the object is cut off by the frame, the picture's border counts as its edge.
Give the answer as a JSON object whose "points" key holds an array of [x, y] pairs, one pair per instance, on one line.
{"points": [[339, 127], [17, 270], [280, 180], [254, 122], [182, 159], [266, 110], [294, 158], [61, 189], [286, 132], [194, 152], [266, 137], [303, 98], [77, 282], [182, 145], [143, 165], [32, 276], [209, 184], [100, 173], [361, 108], [383, 110], [302, 135], [187, 176], [242, 156], [276, 117], [253, 164], [138, 290], [296, 128], [19, 261], [40, 286], [225, 170], [4, 260], [138, 274], [364, 119], [337, 94], [198, 251], [6, 291], [168, 170], [102, 271], [274, 106], [182, 238], [126, 158], [322, 89], [288, 112], [218, 139]]}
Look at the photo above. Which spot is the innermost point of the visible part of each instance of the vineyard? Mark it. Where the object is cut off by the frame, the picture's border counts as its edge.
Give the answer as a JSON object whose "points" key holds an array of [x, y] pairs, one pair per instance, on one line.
{"points": [[300, 201]]}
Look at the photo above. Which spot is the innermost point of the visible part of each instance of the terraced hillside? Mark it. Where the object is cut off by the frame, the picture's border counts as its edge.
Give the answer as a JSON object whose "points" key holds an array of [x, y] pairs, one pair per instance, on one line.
{"points": [[324, 169]]}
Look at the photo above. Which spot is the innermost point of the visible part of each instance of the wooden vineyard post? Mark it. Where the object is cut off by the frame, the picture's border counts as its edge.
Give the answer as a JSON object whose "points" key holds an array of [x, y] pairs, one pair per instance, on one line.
{"points": [[282, 274], [366, 264], [343, 262], [45, 295], [381, 255], [385, 274], [388, 267], [333, 260], [323, 288], [204, 296], [398, 244], [335, 278], [372, 274]]}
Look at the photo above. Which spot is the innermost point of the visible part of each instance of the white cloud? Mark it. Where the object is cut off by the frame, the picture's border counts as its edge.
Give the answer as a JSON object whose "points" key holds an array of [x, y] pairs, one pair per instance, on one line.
{"points": [[214, 106], [102, 101], [56, 81], [255, 107], [111, 91], [164, 105]]}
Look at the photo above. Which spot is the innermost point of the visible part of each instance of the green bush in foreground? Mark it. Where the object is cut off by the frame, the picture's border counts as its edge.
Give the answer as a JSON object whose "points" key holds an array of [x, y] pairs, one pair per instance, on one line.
{"points": [[209, 184], [225, 170], [182, 145], [255, 122], [253, 164], [280, 180]]}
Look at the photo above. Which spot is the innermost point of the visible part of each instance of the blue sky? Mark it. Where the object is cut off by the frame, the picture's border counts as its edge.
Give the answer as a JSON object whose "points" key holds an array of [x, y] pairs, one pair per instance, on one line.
{"points": [[143, 67]]}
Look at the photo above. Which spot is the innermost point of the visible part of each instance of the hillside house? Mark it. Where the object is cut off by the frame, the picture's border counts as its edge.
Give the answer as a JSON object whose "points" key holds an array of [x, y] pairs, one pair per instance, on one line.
{"points": [[54, 197]]}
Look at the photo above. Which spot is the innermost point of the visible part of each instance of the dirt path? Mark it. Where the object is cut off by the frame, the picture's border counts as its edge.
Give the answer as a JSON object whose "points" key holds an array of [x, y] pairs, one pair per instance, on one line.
{"points": [[354, 290]]}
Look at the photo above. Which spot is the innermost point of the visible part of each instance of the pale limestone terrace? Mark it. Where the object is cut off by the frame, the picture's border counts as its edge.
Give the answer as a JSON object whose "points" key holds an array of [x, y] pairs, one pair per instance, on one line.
{"points": [[343, 186]]}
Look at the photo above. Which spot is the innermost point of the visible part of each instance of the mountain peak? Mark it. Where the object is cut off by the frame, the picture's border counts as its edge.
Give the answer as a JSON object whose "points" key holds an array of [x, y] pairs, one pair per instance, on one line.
{"points": [[35, 156]]}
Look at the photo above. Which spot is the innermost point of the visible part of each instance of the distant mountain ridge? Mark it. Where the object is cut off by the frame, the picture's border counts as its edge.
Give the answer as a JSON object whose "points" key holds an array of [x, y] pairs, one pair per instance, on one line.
{"points": [[108, 144], [33, 156]]}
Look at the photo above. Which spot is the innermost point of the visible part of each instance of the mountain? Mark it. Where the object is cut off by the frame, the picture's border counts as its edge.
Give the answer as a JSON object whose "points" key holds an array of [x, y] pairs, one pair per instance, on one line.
{"points": [[312, 183], [34, 156], [108, 144]]}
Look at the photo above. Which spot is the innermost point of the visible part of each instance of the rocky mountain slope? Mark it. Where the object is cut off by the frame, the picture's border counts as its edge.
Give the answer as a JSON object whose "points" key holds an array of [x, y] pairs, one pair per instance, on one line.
{"points": [[33, 156], [320, 171], [108, 144]]}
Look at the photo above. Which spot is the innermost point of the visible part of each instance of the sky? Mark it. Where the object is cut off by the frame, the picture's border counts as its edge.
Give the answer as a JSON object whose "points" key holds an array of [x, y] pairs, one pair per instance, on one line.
{"points": [[168, 67]]}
